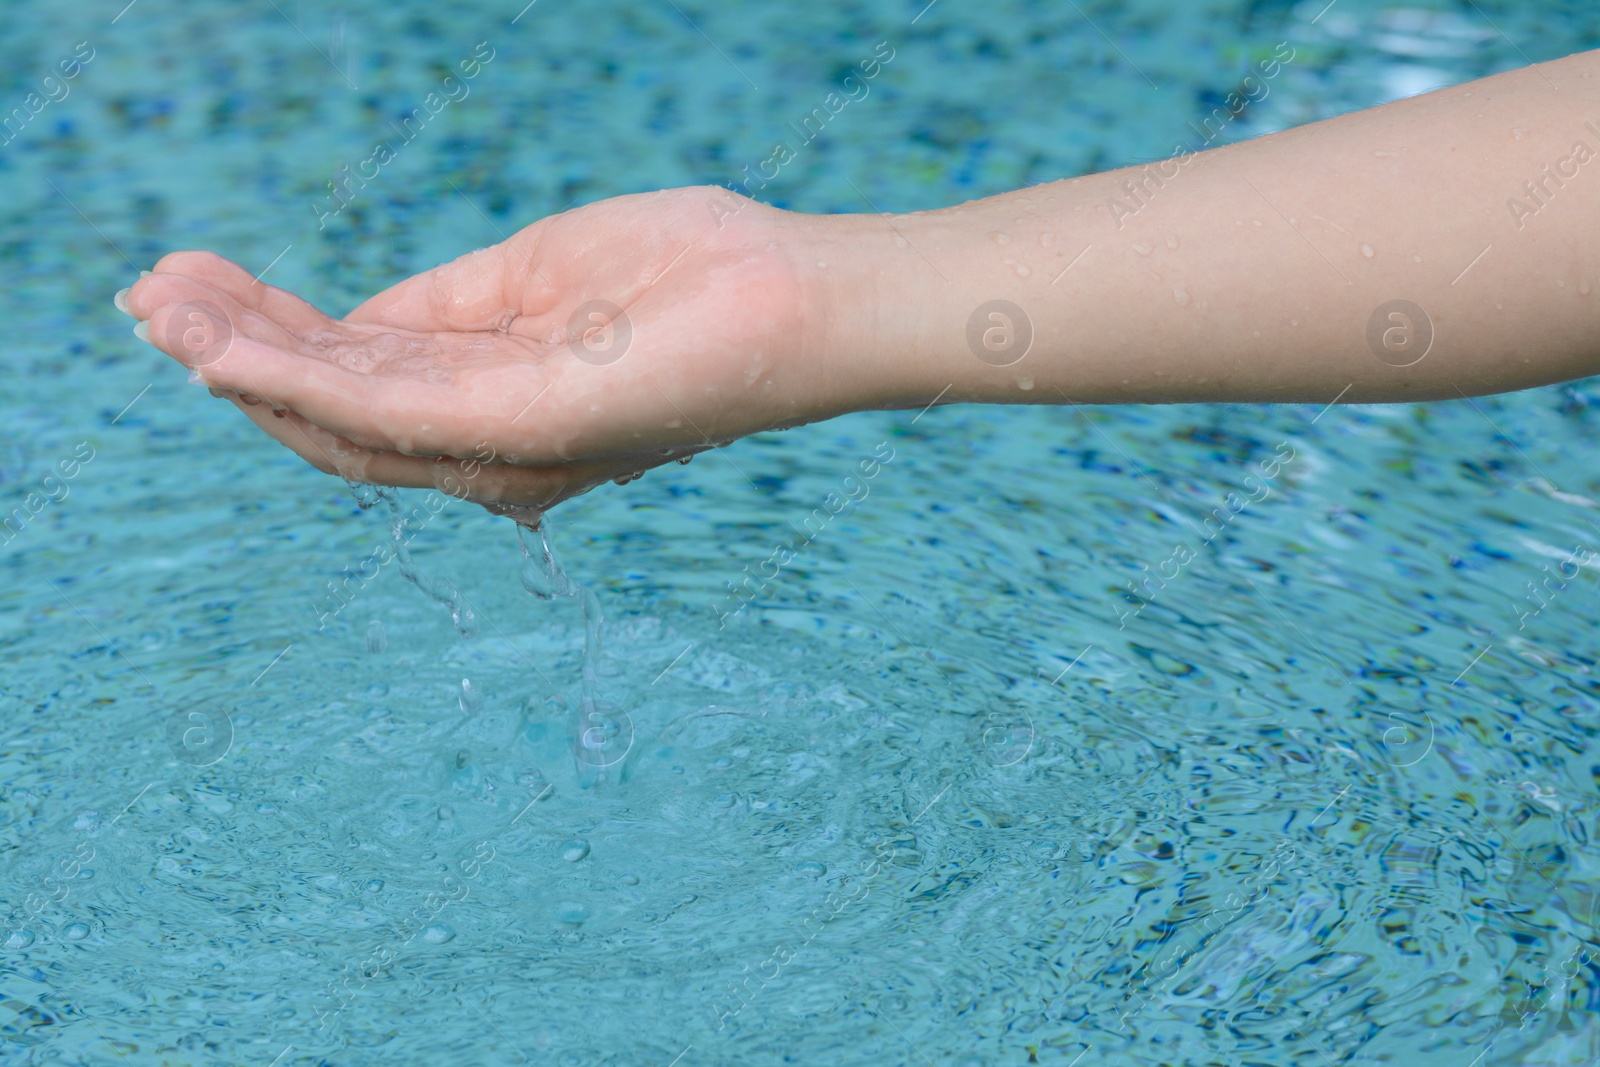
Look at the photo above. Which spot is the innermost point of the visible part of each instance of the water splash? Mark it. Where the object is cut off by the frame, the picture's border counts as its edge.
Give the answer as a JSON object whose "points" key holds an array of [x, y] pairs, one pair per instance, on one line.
{"points": [[601, 734], [444, 592], [367, 496]]}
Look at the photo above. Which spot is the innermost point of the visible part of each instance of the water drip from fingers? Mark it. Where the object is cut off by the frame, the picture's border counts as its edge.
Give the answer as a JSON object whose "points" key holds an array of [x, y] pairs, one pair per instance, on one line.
{"points": [[601, 734], [443, 592]]}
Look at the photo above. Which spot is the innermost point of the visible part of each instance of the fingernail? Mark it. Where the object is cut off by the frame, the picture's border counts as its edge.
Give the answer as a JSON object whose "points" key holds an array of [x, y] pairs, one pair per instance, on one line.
{"points": [[141, 330], [121, 299], [146, 273]]}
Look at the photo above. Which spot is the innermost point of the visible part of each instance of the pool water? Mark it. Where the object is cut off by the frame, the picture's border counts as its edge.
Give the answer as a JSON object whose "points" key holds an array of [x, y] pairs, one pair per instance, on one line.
{"points": [[941, 791]]}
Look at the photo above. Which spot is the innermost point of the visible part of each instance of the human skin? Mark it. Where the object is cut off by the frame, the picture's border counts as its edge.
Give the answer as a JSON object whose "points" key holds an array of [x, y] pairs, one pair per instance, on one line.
{"points": [[1252, 272]]}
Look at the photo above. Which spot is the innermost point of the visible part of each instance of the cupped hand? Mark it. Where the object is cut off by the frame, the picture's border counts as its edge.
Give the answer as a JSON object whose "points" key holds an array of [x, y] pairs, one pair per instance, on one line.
{"points": [[590, 346]]}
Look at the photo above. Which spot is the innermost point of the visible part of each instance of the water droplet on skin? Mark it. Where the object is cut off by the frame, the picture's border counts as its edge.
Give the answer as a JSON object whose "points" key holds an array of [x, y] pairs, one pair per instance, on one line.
{"points": [[1172, 242], [1255, 222], [811, 869], [1142, 248], [377, 639], [1047, 239], [900, 242], [1518, 132], [438, 933], [630, 879], [1561, 283], [470, 698], [821, 265], [1022, 269], [1294, 322], [75, 931], [18, 940], [575, 850], [1025, 384], [1583, 287], [1416, 259], [1002, 238], [1367, 250], [1180, 296]]}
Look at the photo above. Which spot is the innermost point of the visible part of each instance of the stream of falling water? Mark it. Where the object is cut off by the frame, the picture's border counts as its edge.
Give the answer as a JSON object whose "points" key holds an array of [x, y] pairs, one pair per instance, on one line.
{"points": [[602, 734], [444, 592]]}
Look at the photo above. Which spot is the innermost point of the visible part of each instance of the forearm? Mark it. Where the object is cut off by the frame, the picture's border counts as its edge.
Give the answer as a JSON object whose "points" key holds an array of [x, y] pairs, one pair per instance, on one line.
{"points": [[1252, 272]]}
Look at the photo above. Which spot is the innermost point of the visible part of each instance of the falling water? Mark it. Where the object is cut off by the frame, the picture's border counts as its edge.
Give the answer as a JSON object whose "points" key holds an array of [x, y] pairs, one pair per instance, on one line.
{"points": [[601, 734], [444, 592]]}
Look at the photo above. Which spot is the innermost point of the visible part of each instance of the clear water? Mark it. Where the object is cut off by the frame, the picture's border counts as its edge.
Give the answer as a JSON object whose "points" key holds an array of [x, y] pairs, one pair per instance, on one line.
{"points": [[1327, 799]]}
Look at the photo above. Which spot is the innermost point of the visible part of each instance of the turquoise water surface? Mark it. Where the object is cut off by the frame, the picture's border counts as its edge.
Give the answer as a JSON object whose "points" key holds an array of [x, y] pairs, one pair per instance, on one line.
{"points": [[941, 792]]}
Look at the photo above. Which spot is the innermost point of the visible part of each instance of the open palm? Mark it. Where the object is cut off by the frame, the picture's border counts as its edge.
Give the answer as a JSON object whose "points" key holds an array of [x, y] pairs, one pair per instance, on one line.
{"points": [[590, 346]]}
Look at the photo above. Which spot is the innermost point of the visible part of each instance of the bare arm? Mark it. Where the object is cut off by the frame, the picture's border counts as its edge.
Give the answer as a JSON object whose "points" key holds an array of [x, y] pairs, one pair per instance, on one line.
{"points": [[1255, 272], [1435, 246]]}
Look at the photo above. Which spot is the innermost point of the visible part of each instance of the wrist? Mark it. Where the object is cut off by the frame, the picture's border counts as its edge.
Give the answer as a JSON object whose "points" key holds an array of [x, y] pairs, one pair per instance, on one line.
{"points": [[956, 304], [862, 341]]}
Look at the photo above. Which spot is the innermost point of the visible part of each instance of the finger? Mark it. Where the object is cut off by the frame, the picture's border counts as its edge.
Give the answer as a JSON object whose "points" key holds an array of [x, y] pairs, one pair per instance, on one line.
{"points": [[350, 387], [163, 290], [483, 483], [327, 452], [342, 400], [480, 291], [223, 276]]}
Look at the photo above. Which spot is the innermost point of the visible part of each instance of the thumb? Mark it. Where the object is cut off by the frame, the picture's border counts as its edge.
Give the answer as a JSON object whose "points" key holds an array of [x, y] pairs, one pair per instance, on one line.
{"points": [[480, 291]]}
